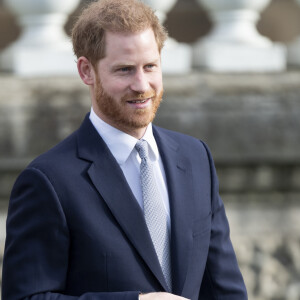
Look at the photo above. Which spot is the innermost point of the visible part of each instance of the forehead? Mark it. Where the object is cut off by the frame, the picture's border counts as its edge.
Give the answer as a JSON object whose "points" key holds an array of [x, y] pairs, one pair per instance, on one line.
{"points": [[120, 46]]}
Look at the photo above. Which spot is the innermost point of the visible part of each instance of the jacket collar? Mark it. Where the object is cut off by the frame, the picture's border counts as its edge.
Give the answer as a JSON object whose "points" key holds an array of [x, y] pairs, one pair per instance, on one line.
{"points": [[179, 180]]}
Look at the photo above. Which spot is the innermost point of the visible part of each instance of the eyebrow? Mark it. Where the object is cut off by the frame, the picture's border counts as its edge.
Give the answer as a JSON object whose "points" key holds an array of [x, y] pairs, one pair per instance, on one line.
{"points": [[121, 65], [128, 65]]}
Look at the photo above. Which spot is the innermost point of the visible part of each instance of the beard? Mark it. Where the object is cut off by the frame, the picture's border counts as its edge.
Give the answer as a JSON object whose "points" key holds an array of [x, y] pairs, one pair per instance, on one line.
{"points": [[120, 115]]}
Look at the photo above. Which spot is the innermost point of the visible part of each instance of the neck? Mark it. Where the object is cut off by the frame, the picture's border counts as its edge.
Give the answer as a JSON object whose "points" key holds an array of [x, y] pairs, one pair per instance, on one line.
{"points": [[137, 133]]}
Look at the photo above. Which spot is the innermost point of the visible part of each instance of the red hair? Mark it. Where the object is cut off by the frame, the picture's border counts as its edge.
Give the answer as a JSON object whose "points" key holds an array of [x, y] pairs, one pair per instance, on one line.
{"points": [[122, 16]]}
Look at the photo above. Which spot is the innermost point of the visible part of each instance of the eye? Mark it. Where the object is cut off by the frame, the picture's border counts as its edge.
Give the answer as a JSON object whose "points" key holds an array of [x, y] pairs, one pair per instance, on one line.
{"points": [[124, 69], [150, 66]]}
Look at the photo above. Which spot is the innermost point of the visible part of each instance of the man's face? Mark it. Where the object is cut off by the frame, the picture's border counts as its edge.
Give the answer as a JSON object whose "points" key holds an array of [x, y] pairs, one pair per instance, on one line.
{"points": [[128, 88]]}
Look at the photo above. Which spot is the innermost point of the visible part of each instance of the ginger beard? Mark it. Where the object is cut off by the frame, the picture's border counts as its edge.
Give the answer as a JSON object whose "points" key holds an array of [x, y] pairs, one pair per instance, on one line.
{"points": [[120, 114]]}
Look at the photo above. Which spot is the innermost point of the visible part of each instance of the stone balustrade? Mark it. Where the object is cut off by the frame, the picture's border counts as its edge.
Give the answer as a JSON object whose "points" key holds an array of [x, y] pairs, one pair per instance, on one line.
{"points": [[232, 45], [43, 47], [293, 56]]}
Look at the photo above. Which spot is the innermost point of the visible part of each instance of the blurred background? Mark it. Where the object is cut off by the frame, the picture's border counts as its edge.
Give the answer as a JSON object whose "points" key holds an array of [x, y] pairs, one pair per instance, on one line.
{"points": [[231, 78]]}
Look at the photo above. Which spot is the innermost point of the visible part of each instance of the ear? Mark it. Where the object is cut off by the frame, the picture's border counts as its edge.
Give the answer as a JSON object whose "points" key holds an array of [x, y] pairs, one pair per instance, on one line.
{"points": [[86, 70]]}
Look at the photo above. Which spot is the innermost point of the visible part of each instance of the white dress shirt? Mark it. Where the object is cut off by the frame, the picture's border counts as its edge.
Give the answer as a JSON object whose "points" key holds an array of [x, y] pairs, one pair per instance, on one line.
{"points": [[122, 147]]}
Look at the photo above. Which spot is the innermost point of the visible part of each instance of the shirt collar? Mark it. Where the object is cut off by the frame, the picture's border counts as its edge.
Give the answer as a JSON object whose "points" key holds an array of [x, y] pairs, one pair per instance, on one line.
{"points": [[149, 137], [120, 143]]}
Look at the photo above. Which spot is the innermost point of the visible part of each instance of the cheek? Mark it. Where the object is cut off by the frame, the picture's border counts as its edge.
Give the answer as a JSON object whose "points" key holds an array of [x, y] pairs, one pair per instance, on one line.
{"points": [[156, 81], [158, 86], [115, 88]]}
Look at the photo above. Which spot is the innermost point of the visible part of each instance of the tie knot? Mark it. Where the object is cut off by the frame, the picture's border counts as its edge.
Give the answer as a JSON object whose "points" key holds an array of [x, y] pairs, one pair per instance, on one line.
{"points": [[142, 148]]}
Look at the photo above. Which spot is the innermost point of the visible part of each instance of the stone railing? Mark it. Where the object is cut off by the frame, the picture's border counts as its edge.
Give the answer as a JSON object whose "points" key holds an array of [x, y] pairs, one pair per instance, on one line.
{"points": [[233, 44], [43, 48]]}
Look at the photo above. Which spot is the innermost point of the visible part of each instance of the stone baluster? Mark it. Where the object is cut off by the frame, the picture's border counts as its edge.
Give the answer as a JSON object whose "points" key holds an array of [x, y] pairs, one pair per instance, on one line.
{"points": [[43, 48], [176, 57], [234, 44], [293, 54]]}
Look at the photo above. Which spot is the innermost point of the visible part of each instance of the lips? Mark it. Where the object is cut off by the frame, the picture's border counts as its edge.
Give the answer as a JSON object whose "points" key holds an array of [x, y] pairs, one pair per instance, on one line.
{"points": [[138, 101]]}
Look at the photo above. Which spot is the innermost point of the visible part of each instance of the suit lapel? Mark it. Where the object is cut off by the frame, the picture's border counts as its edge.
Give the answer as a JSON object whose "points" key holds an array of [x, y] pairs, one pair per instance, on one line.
{"points": [[117, 194], [178, 173]]}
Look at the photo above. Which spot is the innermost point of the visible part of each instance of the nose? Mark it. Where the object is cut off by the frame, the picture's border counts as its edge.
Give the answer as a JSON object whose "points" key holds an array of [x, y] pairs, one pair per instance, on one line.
{"points": [[140, 82]]}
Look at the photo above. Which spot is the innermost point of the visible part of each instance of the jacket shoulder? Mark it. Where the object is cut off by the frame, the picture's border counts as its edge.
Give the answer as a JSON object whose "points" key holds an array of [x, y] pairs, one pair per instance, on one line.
{"points": [[184, 140], [61, 152]]}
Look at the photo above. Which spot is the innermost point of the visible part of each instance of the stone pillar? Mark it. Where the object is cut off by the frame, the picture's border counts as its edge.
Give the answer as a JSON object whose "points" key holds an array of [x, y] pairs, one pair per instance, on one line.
{"points": [[43, 48], [293, 55], [176, 57], [234, 44]]}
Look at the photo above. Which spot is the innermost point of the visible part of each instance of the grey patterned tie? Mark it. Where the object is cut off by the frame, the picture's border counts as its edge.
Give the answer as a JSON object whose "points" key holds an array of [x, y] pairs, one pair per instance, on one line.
{"points": [[154, 211]]}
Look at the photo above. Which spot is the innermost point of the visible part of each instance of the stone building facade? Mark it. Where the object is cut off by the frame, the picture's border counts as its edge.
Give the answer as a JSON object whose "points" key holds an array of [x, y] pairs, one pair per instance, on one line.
{"points": [[250, 122]]}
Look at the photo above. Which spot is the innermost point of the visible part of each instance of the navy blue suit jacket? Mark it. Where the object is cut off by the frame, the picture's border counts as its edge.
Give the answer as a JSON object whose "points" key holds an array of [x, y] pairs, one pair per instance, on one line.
{"points": [[76, 231]]}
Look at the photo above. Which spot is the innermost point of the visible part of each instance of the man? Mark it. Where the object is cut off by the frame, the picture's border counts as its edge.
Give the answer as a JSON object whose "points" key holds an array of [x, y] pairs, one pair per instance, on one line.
{"points": [[121, 209]]}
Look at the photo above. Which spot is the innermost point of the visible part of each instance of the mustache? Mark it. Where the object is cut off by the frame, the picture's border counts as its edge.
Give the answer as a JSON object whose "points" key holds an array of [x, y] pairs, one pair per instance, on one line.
{"points": [[139, 96]]}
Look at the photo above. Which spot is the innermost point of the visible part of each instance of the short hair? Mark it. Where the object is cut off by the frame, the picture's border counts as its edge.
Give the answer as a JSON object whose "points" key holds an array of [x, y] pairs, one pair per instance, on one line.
{"points": [[119, 16]]}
